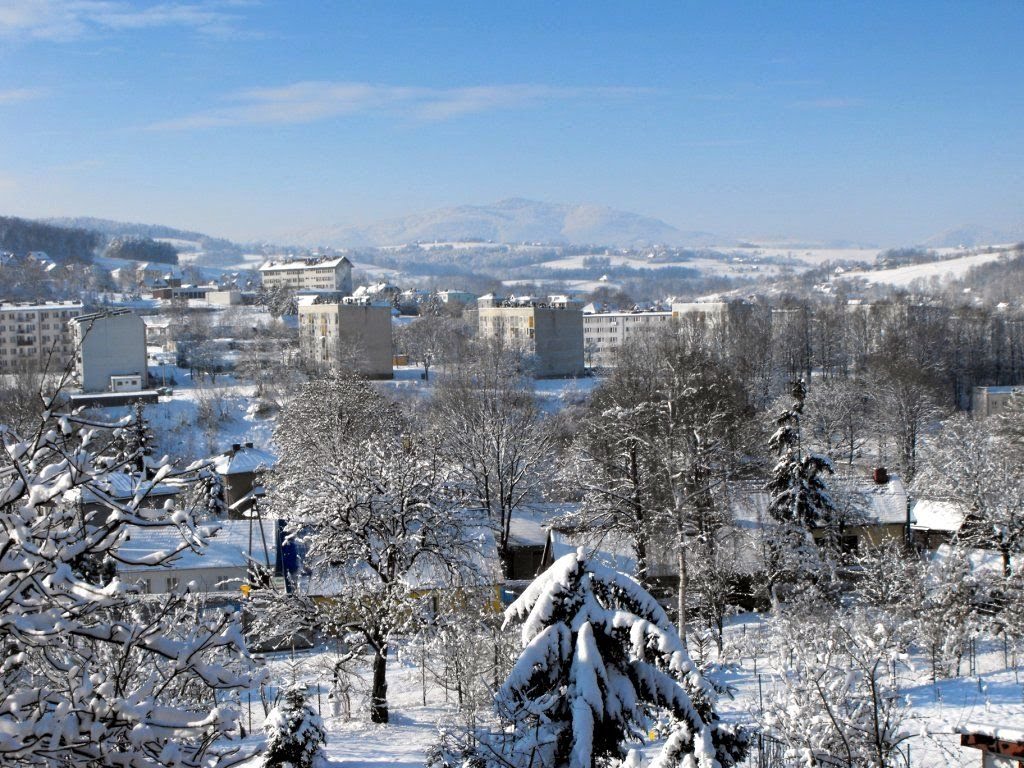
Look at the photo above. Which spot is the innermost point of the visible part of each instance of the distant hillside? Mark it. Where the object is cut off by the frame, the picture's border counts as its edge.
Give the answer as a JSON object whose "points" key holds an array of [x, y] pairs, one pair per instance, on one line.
{"points": [[973, 235], [62, 244], [512, 221]]}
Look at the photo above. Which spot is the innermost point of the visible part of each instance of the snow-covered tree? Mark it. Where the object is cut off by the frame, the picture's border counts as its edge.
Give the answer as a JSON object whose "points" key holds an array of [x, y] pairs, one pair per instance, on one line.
{"points": [[979, 468], [799, 501], [834, 698], [948, 615], [609, 464], [798, 491], [600, 658], [93, 673], [295, 733], [373, 501], [492, 428]]}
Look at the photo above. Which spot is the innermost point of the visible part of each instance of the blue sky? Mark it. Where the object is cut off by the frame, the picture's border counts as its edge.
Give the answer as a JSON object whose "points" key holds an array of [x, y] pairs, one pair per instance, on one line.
{"points": [[882, 123]]}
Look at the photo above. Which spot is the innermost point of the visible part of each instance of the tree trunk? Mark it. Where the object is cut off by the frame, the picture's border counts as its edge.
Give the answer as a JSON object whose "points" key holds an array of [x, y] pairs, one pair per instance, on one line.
{"points": [[379, 692], [681, 563]]}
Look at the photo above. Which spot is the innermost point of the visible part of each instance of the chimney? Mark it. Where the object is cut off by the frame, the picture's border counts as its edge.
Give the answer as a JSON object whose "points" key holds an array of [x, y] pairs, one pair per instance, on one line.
{"points": [[236, 447], [881, 476]]}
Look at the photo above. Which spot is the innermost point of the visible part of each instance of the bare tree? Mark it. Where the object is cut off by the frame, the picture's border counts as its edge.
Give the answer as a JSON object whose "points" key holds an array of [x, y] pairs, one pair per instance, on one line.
{"points": [[493, 430], [372, 500]]}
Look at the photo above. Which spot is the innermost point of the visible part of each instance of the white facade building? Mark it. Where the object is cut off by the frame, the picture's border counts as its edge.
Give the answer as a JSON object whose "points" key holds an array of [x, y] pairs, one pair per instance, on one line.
{"points": [[605, 332], [309, 275], [111, 351], [29, 333]]}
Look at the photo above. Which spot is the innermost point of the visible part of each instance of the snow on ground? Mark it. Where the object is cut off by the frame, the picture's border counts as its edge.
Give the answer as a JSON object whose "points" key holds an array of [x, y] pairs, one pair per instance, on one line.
{"points": [[355, 742], [995, 697], [903, 276]]}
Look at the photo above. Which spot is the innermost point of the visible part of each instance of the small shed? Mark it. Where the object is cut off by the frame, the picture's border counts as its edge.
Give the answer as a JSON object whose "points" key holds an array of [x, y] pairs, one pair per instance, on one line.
{"points": [[1001, 747]]}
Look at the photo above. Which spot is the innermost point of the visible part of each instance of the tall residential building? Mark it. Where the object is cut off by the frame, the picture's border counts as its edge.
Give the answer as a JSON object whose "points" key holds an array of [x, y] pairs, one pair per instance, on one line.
{"points": [[111, 351], [352, 335], [29, 333], [605, 332], [309, 275], [551, 330]]}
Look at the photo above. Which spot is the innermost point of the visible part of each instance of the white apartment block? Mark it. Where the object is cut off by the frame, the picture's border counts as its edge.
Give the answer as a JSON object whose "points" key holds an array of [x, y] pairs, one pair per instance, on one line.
{"points": [[605, 332], [350, 335], [111, 351], [309, 275], [711, 312], [29, 333], [551, 331]]}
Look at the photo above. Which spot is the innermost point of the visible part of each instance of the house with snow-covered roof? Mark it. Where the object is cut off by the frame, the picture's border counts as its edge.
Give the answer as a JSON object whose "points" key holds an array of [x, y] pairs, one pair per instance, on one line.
{"points": [[240, 468], [237, 552]]}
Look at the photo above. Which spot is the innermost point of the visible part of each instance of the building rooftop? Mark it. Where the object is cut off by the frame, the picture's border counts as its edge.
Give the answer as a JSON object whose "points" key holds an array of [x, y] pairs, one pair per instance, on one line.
{"points": [[275, 266], [9, 306]]}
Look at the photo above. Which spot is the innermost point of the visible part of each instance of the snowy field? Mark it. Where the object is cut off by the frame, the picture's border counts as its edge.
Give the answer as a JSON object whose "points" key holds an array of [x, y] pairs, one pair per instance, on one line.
{"points": [[903, 276], [993, 695]]}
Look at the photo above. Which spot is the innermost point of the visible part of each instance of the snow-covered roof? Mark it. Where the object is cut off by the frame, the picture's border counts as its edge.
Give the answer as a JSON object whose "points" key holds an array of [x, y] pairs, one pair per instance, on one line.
{"points": [[228, 547], [886, 503], [937, 515], [242, 459], [272, 266], [1001, 732], [121, 485]]}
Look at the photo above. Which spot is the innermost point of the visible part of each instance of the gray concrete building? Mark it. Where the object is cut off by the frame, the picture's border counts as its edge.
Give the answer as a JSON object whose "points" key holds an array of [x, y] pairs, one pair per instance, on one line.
{"points": [[111, 351], [348, 335], [309, 275], [551, 330], [31, 333]]}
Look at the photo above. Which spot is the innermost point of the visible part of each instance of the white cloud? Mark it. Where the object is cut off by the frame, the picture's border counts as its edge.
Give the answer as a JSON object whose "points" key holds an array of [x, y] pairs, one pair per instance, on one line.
{"points": [[309, 101], [830, 103], [16, 95], [62, 20]]}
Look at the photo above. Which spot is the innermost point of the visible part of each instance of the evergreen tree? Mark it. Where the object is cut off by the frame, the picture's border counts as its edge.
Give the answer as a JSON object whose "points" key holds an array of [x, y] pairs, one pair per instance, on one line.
{"points": [[798, 492], [295, 733], [799, 502], [600, 658]]}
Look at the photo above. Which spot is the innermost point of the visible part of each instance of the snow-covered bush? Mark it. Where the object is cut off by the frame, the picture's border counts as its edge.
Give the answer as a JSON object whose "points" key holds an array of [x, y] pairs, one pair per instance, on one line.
{"points": [[835, 699], [600, 662], [295, 733], [93, 672]]}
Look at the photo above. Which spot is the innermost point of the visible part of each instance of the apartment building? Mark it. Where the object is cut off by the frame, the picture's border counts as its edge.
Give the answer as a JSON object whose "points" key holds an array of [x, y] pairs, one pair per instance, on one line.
{"points": [[711, 312], [550, 330], [348, 335], [309, 275], [605, 332], [111, 351], [29, 333]]}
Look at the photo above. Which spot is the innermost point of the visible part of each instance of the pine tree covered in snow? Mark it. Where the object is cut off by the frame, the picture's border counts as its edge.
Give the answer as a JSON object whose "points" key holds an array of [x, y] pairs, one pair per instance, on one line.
{"points": [[93, 673], [799, 502], [600, 658], [295, 733], [798, 492]]}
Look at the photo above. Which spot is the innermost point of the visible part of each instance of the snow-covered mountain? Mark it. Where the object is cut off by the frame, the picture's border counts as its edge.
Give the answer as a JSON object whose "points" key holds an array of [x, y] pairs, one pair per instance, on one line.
{"points": [[973, 235], [512, 221]]}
